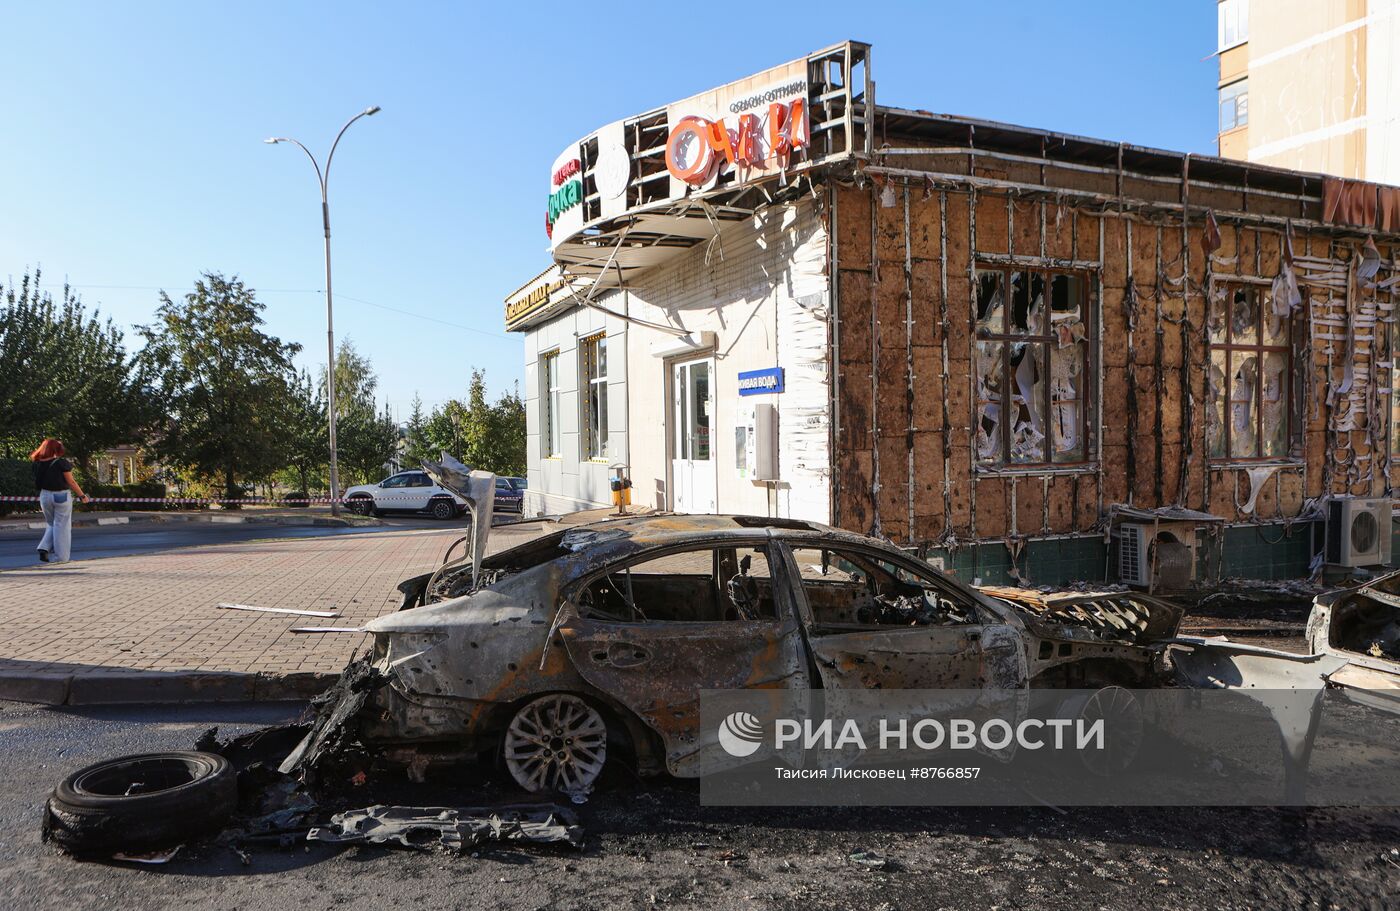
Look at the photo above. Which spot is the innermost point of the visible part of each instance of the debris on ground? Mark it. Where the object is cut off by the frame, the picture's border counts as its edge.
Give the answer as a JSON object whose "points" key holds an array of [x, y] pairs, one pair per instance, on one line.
{"points": [[150, 857], [335, 732], [452, 828], [870, 860]]}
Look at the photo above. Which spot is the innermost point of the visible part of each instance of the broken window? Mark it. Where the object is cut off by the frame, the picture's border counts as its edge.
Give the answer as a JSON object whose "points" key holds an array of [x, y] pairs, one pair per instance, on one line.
{"points": [[1250, 385], [696, 585], [549, 398], [850, 588], [1032, 367], [593, 359], [1395, 375]]}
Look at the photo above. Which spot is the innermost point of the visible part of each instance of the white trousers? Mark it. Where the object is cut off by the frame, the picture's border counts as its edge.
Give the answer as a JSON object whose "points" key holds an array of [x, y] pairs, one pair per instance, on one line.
{"points": [[58, 523]]}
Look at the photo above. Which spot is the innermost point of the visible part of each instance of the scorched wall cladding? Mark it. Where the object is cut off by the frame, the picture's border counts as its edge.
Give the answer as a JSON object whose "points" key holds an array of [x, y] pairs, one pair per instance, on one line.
{"points": [[909, 463]]}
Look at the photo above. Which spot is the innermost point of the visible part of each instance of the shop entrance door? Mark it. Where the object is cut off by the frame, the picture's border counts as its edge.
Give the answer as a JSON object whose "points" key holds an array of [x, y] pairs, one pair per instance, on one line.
{"points": [[692, 420]]}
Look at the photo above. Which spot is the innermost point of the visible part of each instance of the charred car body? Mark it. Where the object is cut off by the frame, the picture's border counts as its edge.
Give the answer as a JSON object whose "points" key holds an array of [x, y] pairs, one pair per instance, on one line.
{"points": [[558, 653], [1361, 626]]}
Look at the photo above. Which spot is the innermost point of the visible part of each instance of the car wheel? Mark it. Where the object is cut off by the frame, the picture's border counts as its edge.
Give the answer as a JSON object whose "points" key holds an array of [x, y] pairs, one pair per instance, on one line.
{"points": [[362, 505], [556, 742], [442, 509], [143, 802], [1123, 727]]}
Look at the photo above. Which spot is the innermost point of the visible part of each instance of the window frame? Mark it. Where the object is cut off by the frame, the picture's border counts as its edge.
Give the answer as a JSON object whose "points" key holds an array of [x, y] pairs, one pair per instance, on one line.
{"points": [[1242, 92], [780, 587], [550, 447], [930, 579], [1005, 338], [593, 381], [1291, 414], [1231, 15]]}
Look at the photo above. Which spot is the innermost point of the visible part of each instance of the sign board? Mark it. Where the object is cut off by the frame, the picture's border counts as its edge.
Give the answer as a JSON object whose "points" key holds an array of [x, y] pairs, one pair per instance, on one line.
{"points": [[564, 215], [752, 126], [761, 382], [535, 296]]}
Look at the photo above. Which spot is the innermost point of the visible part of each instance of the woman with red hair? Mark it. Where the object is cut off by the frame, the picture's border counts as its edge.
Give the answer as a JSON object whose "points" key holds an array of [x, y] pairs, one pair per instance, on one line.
{"points": [[53, 476]]}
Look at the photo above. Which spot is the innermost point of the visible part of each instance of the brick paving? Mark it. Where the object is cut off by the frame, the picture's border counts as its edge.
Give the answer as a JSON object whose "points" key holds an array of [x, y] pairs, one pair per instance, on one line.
{"points": [[91, 627]]}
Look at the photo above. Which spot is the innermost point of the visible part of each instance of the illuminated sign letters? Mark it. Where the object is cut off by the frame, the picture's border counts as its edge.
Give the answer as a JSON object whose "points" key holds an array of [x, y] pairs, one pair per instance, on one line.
{"points": [[696, 144]]}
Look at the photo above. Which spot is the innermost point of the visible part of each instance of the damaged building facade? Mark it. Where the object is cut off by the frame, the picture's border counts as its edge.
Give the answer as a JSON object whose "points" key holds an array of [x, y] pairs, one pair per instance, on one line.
{"points": [[1028, 356]]}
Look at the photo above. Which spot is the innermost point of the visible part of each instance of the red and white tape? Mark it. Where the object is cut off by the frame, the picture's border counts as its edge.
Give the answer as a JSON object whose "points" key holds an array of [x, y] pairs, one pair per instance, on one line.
{"points": [[187, 501]]}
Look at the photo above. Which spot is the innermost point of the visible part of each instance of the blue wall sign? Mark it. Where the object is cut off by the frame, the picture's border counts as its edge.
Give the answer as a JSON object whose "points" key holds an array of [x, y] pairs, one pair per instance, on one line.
{"points": [[761, 382]]}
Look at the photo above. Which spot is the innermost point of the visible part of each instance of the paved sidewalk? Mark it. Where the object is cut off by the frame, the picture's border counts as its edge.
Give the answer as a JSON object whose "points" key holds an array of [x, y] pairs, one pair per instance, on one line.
{"points": [[146, 628]]}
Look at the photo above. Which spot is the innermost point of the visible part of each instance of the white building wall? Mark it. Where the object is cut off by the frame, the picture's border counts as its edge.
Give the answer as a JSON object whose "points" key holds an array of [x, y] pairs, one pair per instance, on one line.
{"points": [[569, 482], [1383, 92], [762, 289]]}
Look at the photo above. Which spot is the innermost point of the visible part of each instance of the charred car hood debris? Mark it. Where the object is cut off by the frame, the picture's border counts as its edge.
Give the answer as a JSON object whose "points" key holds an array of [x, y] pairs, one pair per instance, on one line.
{"points": [[455, 829]]}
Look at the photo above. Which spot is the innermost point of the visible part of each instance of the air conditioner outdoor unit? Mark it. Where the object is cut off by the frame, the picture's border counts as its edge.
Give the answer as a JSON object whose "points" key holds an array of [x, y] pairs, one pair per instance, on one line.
{"points": [[1157, 556], [1358, 531]]}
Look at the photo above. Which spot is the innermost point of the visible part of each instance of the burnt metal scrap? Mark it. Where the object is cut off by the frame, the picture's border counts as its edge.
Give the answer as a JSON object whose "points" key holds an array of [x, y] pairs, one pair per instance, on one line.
{"points": [[455, 829], [334, 733], [1361, 628]]}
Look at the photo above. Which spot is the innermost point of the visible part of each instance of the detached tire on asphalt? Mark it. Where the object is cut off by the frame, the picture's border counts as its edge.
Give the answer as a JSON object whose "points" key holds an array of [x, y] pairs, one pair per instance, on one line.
{"points": [[142, 803]]}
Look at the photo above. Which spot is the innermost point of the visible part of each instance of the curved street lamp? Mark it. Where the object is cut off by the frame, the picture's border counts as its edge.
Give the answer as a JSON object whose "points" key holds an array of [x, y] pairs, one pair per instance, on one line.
{"points": [[322, 177]]}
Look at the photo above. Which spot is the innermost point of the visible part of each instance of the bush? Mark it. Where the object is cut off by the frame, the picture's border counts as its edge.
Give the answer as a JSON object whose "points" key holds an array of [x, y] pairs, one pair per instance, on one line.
{"points": [[16, 480], [143, 490]]}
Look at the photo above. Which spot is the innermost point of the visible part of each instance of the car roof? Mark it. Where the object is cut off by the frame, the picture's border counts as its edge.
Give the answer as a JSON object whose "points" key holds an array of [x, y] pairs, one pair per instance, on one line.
{"points": [[664, 528]]}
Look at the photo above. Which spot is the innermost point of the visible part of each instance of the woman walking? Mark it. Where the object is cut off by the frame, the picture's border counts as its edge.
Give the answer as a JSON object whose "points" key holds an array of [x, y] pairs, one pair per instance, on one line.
{"points": [[53, 476]]}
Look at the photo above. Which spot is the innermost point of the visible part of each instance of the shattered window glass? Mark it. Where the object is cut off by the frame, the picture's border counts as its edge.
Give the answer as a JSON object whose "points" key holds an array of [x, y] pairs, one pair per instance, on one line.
{"points": [[1032, 368], [989, 302], [1215, 410], [1250, 382], [1387, 307], [989, 405]]}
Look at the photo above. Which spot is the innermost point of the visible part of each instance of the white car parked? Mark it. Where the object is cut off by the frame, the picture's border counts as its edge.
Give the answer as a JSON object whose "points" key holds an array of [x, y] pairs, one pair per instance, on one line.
{"points": [[407, 491]]}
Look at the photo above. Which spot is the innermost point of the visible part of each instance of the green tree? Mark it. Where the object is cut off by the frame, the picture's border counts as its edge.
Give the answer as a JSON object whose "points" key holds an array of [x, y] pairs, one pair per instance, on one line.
{"points": [[225, 383], [365, 437], [66, 373], [417, 444], [481, 434], [308, 450]]}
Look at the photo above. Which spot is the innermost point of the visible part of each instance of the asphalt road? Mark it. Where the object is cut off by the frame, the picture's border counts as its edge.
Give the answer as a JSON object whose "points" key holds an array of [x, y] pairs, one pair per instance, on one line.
{"points": [[650, 844], [121, 540]]}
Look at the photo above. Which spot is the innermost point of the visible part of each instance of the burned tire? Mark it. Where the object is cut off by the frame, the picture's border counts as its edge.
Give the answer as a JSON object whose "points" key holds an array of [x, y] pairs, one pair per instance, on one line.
{"points": [[142, 803]]}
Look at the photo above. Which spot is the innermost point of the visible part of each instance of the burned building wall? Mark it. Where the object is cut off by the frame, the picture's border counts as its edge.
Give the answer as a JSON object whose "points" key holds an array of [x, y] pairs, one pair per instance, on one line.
{"points": [[1012, 361]]}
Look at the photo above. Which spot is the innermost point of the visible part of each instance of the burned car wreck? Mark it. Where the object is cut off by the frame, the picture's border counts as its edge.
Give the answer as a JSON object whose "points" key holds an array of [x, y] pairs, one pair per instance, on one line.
{"points": [[1361, 626], [560, 654]]}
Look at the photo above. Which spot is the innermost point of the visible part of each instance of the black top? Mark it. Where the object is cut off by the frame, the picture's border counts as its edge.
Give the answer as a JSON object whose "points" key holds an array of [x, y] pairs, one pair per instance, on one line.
{"points": [[48, 474]]}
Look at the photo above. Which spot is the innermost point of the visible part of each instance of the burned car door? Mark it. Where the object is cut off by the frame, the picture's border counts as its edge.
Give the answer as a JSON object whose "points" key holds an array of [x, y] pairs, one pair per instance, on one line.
{"points": [[878, 621], [654, 630]]}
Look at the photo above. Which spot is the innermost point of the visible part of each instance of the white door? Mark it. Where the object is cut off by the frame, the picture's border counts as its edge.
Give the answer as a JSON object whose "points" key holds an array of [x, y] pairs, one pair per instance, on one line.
{"points": [[692, 425]]}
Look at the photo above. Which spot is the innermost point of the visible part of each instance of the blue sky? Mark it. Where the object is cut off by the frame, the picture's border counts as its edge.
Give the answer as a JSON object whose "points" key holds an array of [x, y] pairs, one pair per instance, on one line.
{"points": [[132, 155]]}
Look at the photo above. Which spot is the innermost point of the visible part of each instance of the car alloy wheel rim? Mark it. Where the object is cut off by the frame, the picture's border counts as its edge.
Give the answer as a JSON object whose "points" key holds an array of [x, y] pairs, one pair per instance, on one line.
{"points": [[556, 742], [1121, 714]]}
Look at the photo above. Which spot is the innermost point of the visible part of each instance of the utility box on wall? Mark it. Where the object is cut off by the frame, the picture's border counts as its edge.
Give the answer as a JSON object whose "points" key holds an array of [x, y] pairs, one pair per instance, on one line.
{"points": [[756, 442]]}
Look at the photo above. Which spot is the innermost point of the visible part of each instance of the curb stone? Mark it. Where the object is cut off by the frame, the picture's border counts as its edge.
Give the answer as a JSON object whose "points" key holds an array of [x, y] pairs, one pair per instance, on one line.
{"points": [[143, 687]]}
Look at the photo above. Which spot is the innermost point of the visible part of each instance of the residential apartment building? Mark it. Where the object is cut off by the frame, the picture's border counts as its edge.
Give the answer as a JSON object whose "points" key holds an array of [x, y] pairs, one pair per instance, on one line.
{"points": [[1311, 85]]}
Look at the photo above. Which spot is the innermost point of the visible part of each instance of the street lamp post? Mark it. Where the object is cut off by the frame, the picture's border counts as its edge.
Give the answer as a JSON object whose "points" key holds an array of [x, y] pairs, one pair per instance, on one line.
{"points": [[322, 178]]}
